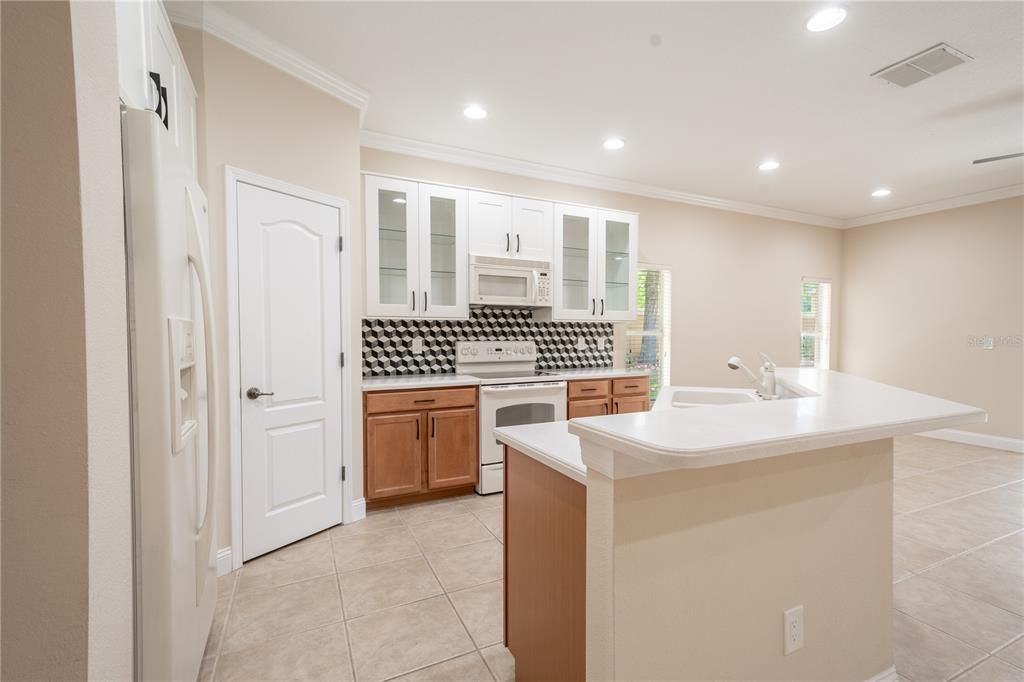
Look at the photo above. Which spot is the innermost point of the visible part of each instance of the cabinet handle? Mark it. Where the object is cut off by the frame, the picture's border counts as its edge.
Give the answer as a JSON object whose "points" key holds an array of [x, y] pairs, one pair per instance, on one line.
{"points": [[414, 300], [587, 390], [615, 407], [424, 301], [632, 386], [508, 242], [417, 428], [424, 400], [593, 306], [602, 306], [433, 426], [517, 243], [604, 409]]}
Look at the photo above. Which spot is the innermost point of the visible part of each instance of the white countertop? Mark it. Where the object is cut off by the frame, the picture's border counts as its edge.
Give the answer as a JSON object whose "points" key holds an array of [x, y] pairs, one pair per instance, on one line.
{"points": [[844, 409], [394, 383], [550, 443]]}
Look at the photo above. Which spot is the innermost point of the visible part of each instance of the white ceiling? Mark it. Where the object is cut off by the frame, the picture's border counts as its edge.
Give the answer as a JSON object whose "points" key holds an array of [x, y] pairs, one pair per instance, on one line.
{"points": [[729, 85]]}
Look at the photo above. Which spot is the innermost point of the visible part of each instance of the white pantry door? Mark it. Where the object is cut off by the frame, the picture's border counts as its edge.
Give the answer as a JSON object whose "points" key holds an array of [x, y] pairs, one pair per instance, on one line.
{"points": [[289, 351]]}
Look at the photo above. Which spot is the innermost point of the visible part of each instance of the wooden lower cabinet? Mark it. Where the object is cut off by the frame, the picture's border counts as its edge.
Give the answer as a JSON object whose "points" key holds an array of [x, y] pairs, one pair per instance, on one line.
{"points": [[452, 448], [420, 444], [545, 571], [591, 407], [630, 403], [595, 398], [394, 447]]}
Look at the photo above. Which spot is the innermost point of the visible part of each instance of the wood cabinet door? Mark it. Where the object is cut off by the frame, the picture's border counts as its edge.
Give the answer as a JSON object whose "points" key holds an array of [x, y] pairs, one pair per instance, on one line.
{"points": [[632, 403], [595, 407], [451, 448], [394, 454]]}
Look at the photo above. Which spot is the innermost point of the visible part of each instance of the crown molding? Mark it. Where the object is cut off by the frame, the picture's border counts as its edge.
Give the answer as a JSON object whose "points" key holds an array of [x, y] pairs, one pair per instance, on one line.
{"points": [[234, 31], [503, 164], [940, 205]]}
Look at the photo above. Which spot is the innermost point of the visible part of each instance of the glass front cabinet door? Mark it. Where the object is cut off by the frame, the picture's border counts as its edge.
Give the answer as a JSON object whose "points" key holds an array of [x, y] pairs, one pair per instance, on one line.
{"points": [[574, 269], [444, 257], [617, 269], [416, 249]]}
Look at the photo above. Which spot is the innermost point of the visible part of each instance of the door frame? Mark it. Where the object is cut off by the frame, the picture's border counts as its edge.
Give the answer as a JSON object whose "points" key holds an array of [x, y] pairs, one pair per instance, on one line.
{"points": [[233, 176]]}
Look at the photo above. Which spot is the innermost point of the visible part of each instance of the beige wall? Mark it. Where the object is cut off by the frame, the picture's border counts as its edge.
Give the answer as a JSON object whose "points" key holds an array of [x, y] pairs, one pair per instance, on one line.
{"points": [[258, 119], [67, 593], [689, 571], [735, 277], [916, 289]]}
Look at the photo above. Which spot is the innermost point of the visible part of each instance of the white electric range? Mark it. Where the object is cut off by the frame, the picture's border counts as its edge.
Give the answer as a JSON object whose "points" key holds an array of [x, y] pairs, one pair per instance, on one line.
{"points": [[512, 392]]}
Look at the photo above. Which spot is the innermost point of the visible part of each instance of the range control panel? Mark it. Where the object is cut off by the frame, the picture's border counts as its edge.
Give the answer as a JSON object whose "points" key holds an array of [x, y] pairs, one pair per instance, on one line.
{"points": [[496, 351]]}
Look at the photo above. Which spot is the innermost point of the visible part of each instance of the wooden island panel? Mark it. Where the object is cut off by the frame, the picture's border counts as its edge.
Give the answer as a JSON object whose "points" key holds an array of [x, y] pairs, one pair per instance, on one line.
{"points": [[545, 571]]}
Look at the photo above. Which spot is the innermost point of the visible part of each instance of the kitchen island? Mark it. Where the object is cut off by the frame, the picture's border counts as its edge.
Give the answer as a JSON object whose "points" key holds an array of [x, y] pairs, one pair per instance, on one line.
{"points": [[669, 544]]}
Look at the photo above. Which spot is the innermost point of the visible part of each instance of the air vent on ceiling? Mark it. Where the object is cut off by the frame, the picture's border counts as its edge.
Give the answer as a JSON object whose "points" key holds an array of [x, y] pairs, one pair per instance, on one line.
{"points": [[926, 64]]}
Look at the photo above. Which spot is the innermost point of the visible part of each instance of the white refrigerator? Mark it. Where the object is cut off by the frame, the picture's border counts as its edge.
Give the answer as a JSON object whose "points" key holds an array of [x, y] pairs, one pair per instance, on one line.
{"points": [[174, 423]]}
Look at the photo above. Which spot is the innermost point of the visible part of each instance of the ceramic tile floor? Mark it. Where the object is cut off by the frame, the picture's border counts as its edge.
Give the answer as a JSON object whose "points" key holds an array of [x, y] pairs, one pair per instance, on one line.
{"points": [[407, 594], [415, 593]]}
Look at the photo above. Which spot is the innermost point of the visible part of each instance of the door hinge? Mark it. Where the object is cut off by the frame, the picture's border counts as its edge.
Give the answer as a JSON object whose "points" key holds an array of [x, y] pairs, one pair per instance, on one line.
{"points": [[343, 472], [342, 359], [341, 243]]}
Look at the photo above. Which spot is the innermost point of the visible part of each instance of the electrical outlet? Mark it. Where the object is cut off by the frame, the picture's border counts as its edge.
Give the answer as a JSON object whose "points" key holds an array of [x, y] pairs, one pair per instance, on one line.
{"points": [[417, 345], [601, 342], [793, 629], [581, 343]]}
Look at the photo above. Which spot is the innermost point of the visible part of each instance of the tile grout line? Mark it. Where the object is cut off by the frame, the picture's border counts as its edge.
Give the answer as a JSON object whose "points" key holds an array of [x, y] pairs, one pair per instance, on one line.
{"points": [[959, 671], [959, 497], [344, 618]]}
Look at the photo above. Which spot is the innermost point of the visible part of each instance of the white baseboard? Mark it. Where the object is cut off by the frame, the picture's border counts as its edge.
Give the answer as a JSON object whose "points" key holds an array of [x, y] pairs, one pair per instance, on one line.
{"points": [[357, 510], [983, 440], [888, 675], [224, 559]]}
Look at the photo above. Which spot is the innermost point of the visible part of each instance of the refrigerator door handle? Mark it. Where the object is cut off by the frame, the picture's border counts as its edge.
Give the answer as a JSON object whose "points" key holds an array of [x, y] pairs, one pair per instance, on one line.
{"points": [[197, 260]]}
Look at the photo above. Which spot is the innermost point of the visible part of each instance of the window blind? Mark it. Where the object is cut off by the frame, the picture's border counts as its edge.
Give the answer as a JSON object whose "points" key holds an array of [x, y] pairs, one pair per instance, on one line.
{"points": [[815, 323], [648, 337]]}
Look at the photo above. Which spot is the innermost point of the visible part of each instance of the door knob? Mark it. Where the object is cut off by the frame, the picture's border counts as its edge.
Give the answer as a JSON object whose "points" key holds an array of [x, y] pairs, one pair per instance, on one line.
{"points": [[254, 393]]}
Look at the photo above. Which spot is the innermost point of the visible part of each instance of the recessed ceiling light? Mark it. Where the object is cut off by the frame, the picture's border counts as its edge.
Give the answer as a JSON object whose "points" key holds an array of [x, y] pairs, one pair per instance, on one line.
{"points": [[398, 200], [769, 165], [827, 18], [614, 143], [881, 192], [475, 112]]}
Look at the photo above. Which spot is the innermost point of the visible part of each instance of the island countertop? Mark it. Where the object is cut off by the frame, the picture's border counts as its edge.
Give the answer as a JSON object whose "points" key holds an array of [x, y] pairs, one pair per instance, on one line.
{"points": [[836, 409]]}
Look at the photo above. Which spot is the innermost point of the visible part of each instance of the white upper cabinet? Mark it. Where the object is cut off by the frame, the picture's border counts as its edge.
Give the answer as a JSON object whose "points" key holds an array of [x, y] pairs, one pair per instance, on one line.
{"points": [[416, 249], [617, 265], [532, 228], [595, 264], [509, 227], [148, 51], [574, 269], [444, 254], [490, 224]]}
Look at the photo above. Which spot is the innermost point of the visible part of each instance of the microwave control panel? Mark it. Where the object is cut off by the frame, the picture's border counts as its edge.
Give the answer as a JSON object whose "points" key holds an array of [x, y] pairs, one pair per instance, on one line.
{"points": [[543, 287]]}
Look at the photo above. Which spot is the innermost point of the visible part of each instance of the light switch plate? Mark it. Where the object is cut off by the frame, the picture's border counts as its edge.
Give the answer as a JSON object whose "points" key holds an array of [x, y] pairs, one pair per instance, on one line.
{"points": [[581, 343], [417, 345]]}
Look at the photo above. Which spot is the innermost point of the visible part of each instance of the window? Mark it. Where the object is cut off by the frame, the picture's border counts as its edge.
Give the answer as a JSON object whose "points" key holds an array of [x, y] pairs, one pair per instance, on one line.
{"points": [[815, 323], [648, 337]]}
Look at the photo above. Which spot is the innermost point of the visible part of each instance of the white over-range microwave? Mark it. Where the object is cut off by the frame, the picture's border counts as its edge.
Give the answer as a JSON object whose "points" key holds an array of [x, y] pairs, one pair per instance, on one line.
{"points": [[509, 282]]}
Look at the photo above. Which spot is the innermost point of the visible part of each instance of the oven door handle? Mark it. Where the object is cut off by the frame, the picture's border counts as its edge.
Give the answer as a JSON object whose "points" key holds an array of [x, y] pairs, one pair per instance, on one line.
{"points": [[522, 388]]}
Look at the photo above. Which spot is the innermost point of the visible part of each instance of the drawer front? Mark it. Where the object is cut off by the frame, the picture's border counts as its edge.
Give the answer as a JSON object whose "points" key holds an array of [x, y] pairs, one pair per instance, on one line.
{"points": [[631, 386], [589, 389], [402, 401]]}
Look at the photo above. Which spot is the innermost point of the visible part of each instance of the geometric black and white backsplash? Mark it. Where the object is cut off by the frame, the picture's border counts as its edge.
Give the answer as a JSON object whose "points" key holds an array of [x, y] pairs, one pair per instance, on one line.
{"points": [[387, 344]]}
